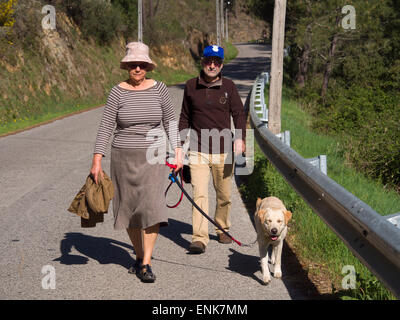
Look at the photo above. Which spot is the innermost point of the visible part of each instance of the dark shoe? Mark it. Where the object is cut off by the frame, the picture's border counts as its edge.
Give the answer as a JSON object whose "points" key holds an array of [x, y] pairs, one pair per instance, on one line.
{"points": [[136, 267], [146, 274], [223, 238], [197, 247]]}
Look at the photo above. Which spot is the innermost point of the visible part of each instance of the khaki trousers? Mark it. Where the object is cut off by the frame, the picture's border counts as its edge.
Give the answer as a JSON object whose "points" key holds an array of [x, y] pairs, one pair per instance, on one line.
{"points": [[200, 166]]}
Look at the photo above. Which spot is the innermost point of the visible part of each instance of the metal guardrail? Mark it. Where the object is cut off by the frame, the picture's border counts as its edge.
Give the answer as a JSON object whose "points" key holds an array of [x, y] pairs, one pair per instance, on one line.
{"points": [[257, 94], [371, 237]]}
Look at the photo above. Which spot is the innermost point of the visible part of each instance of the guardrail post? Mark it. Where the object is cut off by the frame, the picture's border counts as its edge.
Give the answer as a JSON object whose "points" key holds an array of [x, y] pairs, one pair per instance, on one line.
{"points": [[264, 117], [395, 219], [285, 137], [265, 76], [259, 98], [323, 164], [319, 162]]}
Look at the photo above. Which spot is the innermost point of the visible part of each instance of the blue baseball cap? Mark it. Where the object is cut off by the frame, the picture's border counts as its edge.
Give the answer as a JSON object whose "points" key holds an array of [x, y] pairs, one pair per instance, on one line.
{"points": [[213, 51]]}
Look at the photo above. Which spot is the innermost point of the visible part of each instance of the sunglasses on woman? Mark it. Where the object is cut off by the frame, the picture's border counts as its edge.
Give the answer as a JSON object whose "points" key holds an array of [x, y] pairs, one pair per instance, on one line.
{"points": [[141, 65]]}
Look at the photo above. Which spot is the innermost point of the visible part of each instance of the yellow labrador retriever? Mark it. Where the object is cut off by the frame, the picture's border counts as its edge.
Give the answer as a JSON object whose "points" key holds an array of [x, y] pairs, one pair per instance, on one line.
{"points": [[271, 218]]}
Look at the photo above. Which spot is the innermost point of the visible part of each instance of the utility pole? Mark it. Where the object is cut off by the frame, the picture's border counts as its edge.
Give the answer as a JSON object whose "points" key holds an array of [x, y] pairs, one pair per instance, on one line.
{"points": [[140, 26], [222, 20], [226, 22], [218, 22], [275, 89]]}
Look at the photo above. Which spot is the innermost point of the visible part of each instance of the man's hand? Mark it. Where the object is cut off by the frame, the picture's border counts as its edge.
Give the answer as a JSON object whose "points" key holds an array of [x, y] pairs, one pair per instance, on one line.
{"points": [[239, 146]]}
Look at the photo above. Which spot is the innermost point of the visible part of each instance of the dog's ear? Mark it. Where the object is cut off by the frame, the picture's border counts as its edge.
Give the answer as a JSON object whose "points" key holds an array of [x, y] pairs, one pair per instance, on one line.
{"points": [[258, 204], [288, 216]]}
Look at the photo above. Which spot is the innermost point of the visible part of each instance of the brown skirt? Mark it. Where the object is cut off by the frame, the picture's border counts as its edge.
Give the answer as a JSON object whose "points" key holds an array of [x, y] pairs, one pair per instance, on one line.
{"points": [[139, 187]]}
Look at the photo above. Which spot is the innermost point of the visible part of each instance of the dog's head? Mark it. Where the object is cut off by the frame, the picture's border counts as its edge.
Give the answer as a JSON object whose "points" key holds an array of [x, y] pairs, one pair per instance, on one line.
{"points": [[273, 219]]}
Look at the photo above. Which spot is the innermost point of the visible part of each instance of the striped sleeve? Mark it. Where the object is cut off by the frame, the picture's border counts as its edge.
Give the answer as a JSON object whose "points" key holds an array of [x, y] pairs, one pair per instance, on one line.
{"points": [[168, 117], [108, 122]]}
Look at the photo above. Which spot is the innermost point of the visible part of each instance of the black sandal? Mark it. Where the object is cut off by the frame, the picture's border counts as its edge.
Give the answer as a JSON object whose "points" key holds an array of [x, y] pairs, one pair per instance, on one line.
{"points": [[136, 267], [146, 274]]}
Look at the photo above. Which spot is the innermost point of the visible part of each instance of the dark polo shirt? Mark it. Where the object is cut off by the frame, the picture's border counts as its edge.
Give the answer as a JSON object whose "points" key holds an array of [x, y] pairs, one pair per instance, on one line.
{"points": [[207, 109]]}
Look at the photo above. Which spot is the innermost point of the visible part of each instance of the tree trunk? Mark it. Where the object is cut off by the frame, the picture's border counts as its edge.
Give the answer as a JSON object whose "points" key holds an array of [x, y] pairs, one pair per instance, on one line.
{"points": [[328, 66], [304, 60], [329, 63], [156, 7], [151, 9]]}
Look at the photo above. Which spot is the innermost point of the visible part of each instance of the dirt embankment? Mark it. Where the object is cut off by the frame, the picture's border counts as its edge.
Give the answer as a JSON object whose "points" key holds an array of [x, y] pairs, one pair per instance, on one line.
{"points": [[65, 66]]}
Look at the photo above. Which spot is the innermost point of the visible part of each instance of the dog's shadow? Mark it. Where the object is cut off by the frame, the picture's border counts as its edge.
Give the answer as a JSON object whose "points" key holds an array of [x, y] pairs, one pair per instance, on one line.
{"points": [[244, 264], [249, 265]]}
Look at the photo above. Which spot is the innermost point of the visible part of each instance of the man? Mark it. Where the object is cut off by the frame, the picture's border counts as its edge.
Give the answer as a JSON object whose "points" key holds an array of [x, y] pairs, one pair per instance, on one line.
{"points": [[209, 101]]}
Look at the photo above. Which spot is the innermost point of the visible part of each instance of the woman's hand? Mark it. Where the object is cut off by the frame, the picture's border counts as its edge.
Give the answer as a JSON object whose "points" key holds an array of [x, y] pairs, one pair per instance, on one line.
{"points": [[178, 159], [96, 167]]}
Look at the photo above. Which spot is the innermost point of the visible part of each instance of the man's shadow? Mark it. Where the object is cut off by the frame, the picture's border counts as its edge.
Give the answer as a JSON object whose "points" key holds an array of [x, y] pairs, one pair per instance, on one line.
{"points": [[104, 250], [175, 230]]}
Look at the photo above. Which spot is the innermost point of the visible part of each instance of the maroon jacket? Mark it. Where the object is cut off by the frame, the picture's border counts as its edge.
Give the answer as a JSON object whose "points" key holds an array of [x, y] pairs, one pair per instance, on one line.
{"points": [[209, 106]]}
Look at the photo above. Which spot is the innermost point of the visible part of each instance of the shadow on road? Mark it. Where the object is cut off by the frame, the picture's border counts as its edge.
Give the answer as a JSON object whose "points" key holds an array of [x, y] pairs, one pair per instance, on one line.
{"points": [[293, 275], [175, 230], [104, 250], [244, 264], [246, 68]]}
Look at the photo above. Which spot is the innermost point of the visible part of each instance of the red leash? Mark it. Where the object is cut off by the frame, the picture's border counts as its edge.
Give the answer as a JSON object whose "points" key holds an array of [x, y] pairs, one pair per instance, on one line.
{"points": [[172, 166]]}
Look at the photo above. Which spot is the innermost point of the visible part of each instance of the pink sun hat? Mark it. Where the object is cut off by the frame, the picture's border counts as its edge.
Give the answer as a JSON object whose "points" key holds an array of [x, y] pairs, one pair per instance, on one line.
{"points": [[137, 52]]}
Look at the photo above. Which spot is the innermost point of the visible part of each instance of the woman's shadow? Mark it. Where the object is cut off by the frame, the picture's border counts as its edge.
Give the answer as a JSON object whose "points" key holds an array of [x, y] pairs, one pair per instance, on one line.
{"points": [[107, 251], [104, 250]]}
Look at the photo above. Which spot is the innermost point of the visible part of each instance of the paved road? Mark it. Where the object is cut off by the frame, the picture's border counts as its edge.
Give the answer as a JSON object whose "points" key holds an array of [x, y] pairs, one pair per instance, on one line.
{"points": [[41, 171]]}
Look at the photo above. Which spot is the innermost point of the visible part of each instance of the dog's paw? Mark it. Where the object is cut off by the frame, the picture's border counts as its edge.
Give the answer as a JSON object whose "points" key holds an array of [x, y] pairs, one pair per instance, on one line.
{"points": [[266, 279], [278, 273]]}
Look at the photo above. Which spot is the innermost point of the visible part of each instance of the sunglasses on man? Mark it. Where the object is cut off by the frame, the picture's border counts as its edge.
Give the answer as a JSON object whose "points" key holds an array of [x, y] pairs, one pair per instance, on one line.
{"points": [[217, 62]]}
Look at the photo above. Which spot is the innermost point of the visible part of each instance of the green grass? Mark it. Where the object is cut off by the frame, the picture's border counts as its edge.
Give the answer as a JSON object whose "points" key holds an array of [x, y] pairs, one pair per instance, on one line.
{"points": [[172, 77], [316, 242], [65, 108], [230, 51]]}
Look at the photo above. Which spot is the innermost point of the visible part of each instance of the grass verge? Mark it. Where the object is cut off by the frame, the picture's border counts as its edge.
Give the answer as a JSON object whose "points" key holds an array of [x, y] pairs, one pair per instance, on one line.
{"points": [[70, 107], [323, 253]]}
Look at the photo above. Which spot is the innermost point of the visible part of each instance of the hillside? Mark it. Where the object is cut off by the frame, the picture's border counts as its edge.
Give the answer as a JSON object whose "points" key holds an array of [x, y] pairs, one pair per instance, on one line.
{"points": [[74, 65]]}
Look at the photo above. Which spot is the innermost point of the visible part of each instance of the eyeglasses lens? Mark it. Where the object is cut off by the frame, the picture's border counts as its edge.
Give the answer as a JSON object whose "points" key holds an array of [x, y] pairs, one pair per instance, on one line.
{"points": [[135, 65], [217, 63]]}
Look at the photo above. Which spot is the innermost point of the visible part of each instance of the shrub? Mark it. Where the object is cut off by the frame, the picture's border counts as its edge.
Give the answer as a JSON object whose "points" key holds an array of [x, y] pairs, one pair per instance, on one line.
{"points": [[367, 119], [375, 148], [98, 19], [164, 29], [101, 20], [7, 13]]}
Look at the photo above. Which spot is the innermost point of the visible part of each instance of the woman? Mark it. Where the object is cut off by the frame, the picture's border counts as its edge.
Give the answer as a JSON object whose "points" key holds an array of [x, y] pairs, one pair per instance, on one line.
{"points": [[136, 107]]}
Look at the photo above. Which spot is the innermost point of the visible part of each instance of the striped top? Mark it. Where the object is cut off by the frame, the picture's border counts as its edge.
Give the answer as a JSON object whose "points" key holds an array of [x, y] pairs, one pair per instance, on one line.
{"points": [[135, 117]]}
